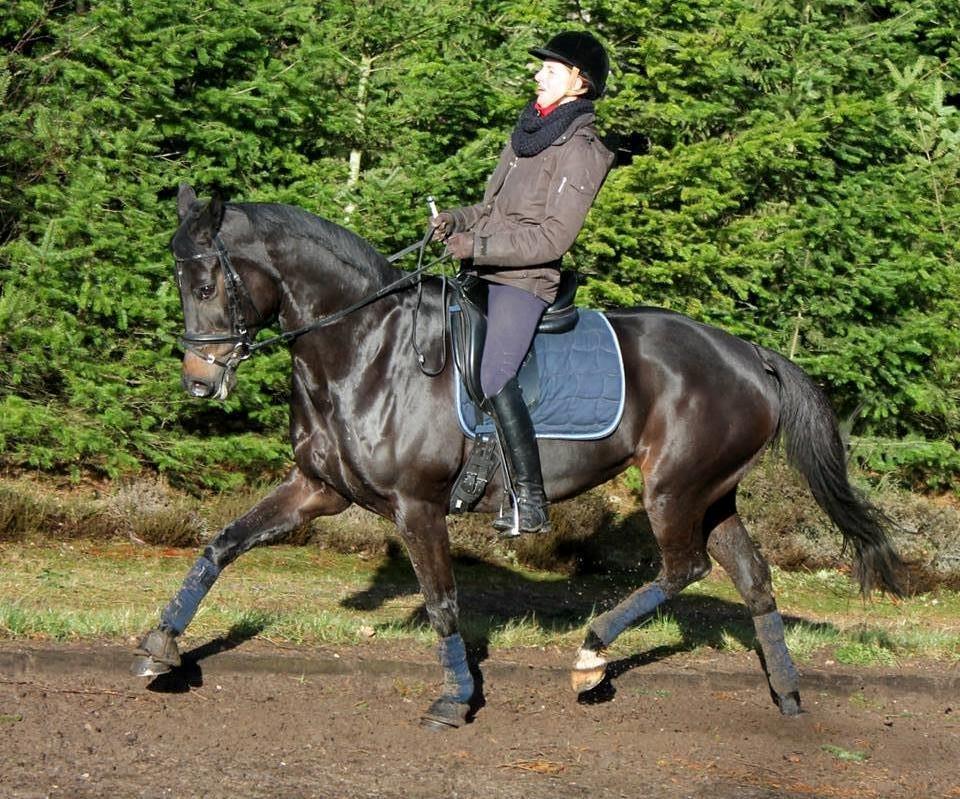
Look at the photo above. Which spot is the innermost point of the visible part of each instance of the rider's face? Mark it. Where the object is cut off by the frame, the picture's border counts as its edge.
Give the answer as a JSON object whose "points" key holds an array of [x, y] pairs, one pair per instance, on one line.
{"points": [[555, 82]]}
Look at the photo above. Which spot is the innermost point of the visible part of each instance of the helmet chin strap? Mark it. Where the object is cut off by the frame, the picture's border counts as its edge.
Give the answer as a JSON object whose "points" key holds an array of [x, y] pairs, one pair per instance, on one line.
{"points": [[572, 92]]}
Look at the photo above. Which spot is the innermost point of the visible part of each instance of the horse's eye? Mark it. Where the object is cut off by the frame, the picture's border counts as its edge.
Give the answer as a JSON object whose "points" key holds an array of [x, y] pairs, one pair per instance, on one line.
{"points": [[205, 292]]}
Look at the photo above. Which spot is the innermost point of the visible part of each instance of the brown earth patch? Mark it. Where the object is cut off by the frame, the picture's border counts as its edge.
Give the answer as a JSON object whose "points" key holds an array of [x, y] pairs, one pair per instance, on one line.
{"points": [[263, 721]]}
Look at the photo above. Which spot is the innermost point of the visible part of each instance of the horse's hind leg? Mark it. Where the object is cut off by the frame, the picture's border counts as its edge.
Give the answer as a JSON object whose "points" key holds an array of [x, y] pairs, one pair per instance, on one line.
{"points": [[731, 546], [677, 526], [297, 500]]}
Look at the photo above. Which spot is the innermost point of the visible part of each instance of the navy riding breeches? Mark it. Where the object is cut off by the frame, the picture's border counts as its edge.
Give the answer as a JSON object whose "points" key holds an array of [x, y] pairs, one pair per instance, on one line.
{"points": [[512, 318]]}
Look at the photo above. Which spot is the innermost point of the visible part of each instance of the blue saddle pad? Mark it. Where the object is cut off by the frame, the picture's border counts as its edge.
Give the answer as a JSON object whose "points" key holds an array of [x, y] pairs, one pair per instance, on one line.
{"points": [[581, 384]]}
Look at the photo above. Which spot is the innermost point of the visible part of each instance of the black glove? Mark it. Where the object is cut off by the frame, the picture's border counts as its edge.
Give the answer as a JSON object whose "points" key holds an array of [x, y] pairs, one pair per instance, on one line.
{"points": [[443, 226], [460, 245]]}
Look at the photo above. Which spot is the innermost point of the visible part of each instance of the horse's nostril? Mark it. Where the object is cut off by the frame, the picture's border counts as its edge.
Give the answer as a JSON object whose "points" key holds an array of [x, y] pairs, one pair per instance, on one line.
{"points": [[198, 388]]}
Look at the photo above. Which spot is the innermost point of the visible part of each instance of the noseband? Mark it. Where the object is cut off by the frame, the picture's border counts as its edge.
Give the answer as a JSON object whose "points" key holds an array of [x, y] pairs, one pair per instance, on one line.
{"points": [[236, 290]]}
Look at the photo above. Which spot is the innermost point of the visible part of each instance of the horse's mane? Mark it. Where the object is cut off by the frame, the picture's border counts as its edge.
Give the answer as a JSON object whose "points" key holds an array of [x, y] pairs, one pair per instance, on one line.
{"points": [[288, 220]]}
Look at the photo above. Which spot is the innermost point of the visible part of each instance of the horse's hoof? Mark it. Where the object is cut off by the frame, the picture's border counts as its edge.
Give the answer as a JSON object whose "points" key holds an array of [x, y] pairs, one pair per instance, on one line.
{"points": [[156, 654], [445, 714], [588, 672], [146, 666], [586, 680], [789, 704]]}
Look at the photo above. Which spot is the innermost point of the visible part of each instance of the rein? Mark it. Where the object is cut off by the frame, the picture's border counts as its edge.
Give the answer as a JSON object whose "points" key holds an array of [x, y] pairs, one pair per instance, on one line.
{"points": [[245, 348]]}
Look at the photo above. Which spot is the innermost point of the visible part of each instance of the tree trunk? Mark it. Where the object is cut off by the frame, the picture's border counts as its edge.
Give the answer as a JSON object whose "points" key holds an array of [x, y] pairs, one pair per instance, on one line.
{"points": [[356, 154]]}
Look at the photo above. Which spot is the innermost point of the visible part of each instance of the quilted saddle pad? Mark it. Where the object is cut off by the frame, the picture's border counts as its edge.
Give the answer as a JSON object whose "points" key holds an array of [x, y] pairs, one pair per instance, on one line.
{"points": [[581, 384]]}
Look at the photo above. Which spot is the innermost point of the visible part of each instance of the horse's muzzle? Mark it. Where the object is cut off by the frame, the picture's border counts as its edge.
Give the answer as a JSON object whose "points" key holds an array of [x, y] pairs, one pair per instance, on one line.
{"points": [[201, 389], [205, 380]]}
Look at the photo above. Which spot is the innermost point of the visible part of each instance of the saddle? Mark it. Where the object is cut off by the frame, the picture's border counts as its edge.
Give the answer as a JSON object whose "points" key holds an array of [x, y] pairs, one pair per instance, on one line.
{"points": [[468, 328]]}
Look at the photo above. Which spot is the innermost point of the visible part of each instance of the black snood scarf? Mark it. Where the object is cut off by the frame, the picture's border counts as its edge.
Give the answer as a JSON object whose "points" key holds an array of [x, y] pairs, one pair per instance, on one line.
{"points": [[534, 133]]}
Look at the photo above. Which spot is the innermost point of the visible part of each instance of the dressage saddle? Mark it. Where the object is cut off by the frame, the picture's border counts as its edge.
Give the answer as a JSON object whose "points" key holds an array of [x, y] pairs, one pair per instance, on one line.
{"points": [[468, 327]]}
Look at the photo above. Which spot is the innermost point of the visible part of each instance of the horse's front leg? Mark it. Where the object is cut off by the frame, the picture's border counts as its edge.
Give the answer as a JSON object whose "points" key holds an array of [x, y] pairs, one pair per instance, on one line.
{"points": [[294, 502], [424, 531]]}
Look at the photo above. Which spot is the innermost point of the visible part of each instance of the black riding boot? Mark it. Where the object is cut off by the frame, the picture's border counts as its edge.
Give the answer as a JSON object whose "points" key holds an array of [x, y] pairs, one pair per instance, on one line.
{"points": [[515, 431]]}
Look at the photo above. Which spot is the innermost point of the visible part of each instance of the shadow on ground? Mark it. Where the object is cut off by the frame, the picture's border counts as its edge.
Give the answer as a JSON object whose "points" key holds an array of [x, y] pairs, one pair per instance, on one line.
{"points": [[606, 567], [190, 675]]}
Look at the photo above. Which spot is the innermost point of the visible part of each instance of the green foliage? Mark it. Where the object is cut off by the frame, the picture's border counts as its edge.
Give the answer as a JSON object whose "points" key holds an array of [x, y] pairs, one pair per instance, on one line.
{"points": [[913, 460], [801, 189]]}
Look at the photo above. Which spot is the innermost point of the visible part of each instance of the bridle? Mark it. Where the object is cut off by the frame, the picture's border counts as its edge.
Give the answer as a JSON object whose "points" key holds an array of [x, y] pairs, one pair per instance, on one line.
{"points": [[237, 294], [244, 346]]}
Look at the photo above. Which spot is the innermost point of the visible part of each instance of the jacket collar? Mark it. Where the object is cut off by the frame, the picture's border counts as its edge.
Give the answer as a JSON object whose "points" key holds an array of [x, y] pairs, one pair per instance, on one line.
{"points": [[579, 122]]}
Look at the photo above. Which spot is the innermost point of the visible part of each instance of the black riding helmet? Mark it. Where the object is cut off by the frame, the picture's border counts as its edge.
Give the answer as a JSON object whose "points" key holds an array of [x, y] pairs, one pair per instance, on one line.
{"points": [[580, 50]]}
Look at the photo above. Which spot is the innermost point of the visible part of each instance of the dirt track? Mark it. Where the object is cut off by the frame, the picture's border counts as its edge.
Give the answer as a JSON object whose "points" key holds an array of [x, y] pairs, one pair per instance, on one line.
{"points": [[256, 721]]}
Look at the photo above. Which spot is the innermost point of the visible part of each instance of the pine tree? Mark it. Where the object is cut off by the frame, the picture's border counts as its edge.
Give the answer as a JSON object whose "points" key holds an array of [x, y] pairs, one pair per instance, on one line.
{"points": [[800, 188]]}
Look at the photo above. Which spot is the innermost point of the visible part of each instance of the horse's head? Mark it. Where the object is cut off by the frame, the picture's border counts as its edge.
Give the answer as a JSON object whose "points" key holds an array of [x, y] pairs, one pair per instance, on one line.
{"points": [[216, 305]]}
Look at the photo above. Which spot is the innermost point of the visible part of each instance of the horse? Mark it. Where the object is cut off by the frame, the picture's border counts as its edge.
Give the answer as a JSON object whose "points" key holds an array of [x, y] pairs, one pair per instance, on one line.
{"points": [[369, 425]]}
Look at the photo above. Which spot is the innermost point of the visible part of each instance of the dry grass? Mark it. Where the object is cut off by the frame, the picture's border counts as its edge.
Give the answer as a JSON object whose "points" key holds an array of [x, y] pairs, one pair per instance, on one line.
{"points": [[602, 532], [796, 535], [146, 510]]}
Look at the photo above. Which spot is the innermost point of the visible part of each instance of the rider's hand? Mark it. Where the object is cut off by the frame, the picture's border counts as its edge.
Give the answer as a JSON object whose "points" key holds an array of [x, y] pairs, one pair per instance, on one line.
{"points": [[443, 226], [460, 245]]}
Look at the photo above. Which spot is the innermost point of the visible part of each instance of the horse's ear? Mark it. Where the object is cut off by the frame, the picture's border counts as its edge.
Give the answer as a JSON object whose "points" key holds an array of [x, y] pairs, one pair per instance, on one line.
{"points": [[186, 197], [205, 223], [214, 210]]}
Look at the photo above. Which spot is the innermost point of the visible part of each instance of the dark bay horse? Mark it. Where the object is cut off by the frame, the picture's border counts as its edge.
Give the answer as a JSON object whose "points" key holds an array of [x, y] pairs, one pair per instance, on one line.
{"points": [[368, 426]]}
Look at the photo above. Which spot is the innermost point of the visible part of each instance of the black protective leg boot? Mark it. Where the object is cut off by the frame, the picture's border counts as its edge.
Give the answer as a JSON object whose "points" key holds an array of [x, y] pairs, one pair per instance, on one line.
{"points": [[515, 431]]}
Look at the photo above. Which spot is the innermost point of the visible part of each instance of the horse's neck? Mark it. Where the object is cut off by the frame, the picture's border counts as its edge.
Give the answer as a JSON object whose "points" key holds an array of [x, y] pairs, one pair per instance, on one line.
{"points": [[320, 286], [385, 322], [324, 271]]}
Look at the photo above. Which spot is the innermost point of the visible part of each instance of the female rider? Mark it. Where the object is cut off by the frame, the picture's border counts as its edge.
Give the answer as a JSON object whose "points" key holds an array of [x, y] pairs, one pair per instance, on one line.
{"points": [[534, 206]]}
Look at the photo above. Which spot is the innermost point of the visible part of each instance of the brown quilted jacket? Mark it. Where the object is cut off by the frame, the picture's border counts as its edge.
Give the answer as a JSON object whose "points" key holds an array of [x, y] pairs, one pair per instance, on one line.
{"points": [[533, 209]]}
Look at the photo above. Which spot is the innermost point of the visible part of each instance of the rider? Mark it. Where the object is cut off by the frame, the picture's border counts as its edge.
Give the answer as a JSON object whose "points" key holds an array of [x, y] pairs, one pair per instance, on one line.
{"points": [[535, 203]]}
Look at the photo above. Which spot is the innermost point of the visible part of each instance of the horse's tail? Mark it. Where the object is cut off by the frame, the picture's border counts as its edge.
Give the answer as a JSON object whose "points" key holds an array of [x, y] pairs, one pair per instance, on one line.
{"points": [[814, 447]]}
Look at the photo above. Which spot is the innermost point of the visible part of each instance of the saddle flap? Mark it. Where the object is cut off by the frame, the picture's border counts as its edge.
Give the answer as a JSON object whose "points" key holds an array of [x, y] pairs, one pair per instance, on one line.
{"points": [[468, 329]]}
